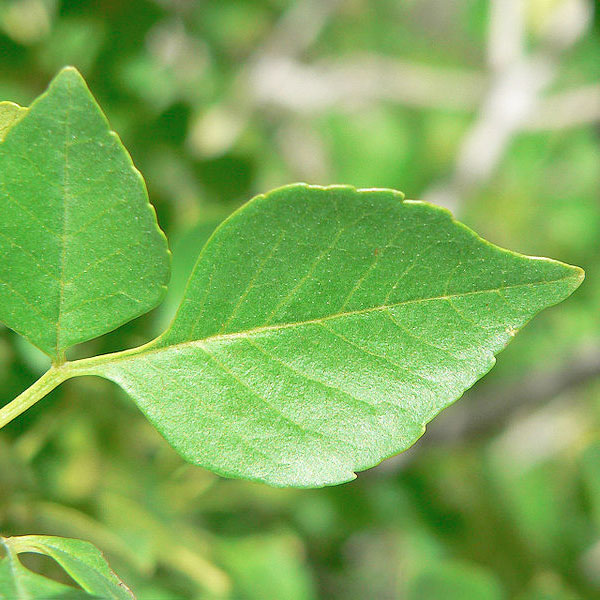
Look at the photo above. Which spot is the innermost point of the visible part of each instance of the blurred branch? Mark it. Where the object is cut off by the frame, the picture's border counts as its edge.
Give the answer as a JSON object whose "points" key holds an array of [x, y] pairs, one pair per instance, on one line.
{"points": [[506, 34], [518, 81], [364, 79], [576, 107], [297, 29], [508, 95], [217, 129]]}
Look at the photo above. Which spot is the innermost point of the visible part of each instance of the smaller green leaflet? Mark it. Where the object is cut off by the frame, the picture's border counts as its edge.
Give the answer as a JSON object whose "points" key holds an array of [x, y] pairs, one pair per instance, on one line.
{"points": [[81, 560], [321, 329], [81, 250]]}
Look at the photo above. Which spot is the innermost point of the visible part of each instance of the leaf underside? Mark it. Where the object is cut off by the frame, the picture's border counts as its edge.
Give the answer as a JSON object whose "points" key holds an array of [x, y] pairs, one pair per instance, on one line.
{"points": [[81, 560], [322, 329], [81, 250]]}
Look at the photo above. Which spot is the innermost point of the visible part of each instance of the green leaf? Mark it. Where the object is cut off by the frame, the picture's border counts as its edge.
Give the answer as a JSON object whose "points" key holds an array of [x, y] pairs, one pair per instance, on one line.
{"points": [[454, 581], [322, 328], [81, 250], [81, 560], [267, 566], [17, 583], [185, 253]]}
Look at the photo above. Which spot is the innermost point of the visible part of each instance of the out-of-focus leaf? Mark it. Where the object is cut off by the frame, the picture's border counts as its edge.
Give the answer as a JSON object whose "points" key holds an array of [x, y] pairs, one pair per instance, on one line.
{"points": [[530, 478], [72, 37], [590, 465], [267, 566], [454, 581], [81, 560]]}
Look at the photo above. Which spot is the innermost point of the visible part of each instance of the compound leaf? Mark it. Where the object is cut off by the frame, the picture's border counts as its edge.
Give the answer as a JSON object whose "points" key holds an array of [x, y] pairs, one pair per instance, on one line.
{"points": [[322, 328], [81, 250]]}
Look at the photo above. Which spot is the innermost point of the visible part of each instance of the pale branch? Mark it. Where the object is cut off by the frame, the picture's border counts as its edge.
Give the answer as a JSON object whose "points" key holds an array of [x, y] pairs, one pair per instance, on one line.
{"points": [[506, 34], [518, 81], [298, 28], [510, 91], [571, 108], [361, 80], [366, 79]]}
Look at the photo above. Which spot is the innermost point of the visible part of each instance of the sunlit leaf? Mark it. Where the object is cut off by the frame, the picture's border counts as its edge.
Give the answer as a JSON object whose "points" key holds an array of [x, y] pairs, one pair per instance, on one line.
{"points": [[323, 328]]}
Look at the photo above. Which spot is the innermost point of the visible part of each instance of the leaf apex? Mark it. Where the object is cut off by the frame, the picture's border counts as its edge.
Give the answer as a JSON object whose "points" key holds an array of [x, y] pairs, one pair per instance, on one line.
{"points": [[578, 276], [69, 70], [69, 75]]}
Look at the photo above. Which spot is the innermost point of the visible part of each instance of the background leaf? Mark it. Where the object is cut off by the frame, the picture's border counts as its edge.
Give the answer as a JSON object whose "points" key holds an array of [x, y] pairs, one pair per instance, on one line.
{"points": [[82, 252], [19, 583], [454, 581], [80, 559], [267, 567], [322, 328]]}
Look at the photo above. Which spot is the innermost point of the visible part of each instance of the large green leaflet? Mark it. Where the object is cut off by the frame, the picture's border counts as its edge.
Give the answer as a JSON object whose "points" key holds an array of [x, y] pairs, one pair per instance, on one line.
{"points": [[81, 250], [323, 328], [81, 560]]}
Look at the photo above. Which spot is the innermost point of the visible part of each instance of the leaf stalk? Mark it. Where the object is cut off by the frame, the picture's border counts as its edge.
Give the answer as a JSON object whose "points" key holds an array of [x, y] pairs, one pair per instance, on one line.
{"points": [[43, 386]]}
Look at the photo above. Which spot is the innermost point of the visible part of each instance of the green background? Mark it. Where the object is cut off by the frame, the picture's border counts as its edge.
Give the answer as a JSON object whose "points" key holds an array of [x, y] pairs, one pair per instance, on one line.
{"points": [[219, 101]]}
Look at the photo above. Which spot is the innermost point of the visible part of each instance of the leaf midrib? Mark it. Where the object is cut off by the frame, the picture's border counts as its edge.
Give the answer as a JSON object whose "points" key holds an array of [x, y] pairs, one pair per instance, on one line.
{"points": [[40, 549], [66, 193], [153, 346]]}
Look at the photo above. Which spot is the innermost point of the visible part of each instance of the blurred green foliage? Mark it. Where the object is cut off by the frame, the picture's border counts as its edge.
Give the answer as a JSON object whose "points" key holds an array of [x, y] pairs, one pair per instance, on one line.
{"points": [[512, 512]]}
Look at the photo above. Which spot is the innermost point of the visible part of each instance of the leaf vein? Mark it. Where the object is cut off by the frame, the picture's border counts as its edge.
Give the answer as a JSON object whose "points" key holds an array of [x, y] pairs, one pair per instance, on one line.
{"points": [[426, 380], [275, 358], [245, 441], [299, 426], [252, 281]]}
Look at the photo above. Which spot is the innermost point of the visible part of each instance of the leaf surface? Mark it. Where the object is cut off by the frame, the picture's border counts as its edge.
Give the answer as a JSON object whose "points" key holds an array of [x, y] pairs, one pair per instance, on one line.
{"points": [[17, 583], [81, 250], [80, 559], [322, 328]]}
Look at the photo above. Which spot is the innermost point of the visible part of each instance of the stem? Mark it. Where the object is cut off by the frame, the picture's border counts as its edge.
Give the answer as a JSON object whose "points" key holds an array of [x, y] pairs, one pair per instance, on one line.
{"points": [[44, 385]]}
